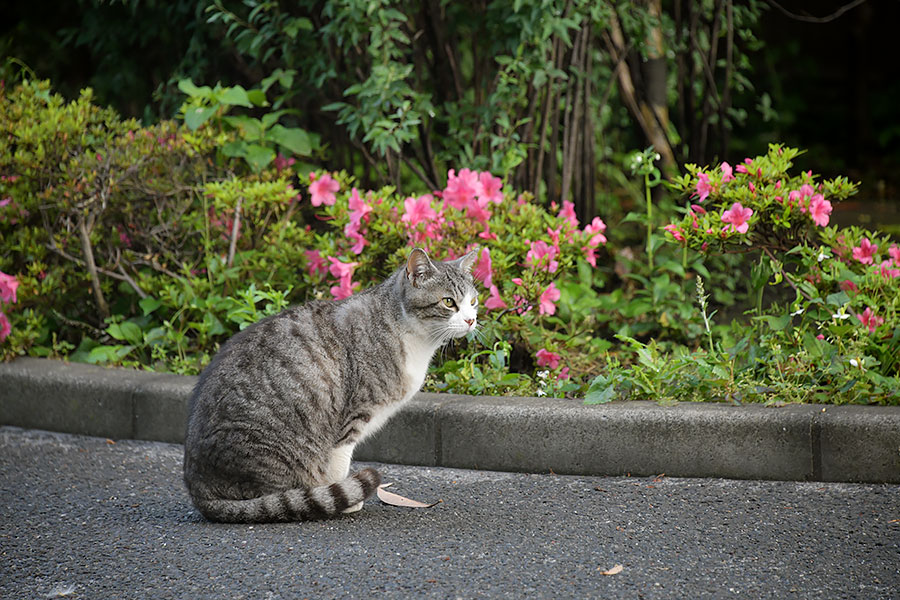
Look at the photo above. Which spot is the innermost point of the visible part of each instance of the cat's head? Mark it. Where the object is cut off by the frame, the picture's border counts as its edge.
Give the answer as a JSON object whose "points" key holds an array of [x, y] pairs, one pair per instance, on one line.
{"points": [[441, 295]]}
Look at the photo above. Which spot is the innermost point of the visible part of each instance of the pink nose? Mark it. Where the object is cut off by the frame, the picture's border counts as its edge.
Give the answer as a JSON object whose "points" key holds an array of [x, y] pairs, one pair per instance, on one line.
{"points": [[470, 322]]}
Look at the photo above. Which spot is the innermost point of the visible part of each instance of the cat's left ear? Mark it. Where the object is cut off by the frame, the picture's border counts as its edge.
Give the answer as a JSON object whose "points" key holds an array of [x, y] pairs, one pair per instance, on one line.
{"points": [[466, 262], [419, 268]]}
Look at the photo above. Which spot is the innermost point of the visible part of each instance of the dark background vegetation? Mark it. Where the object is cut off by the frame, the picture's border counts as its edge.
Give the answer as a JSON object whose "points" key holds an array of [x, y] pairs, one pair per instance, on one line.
{"points": [[825, 79]]}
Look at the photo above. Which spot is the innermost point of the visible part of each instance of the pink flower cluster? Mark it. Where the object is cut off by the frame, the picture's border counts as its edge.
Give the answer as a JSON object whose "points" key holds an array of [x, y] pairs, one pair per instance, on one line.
{"points": [[359, 214], [344, 274], [808, 200], [8, 286], [472, 193]]}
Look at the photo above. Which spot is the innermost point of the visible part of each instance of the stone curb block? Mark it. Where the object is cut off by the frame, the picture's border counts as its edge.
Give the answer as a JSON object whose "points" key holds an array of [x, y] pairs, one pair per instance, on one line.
{"points": [[802, 442]]}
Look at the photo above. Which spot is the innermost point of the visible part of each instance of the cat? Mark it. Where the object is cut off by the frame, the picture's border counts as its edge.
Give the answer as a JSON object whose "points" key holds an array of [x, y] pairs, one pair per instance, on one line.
{"points": [[274, 418]]}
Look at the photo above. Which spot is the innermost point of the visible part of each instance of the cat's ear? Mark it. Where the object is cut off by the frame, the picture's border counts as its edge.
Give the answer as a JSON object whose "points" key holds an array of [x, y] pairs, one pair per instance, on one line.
{"points": [[419, 268], [466, 262]]}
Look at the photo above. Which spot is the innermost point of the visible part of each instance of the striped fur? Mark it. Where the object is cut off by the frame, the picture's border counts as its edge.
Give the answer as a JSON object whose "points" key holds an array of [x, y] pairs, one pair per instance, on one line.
{"points": [[275, 416], [295, 504]]}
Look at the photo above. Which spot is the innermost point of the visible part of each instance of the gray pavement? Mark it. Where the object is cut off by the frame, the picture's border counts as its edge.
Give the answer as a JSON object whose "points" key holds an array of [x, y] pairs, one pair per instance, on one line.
{"points": [[84, 517]]}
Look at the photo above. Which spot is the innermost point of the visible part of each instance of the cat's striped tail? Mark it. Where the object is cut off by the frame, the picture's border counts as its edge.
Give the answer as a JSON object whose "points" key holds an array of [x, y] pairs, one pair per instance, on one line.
{"points": [[294, 505]]}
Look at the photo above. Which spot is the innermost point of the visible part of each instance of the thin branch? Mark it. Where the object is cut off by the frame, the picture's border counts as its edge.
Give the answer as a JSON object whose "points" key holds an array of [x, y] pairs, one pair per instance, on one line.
{"points": [[92, 267], [235, 231], [810, 19]]}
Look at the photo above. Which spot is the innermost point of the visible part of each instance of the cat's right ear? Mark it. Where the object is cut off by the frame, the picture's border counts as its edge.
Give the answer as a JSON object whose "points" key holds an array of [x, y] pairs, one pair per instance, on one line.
{"points": [[419, 268]]}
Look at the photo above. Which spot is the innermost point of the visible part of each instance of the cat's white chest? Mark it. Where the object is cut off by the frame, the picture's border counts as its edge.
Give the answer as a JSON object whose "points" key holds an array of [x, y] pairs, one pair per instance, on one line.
{"points": [[418, 357]]}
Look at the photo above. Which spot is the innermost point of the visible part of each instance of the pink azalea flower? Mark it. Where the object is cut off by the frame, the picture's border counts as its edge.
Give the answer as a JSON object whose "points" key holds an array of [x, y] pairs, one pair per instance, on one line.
{"points": [[870, 320], [567, 213], [477, 210], [743, 168], [8, 285], [461, 189], [737, 215], [563, 373], [339, 269], [359, 209], [546, 358], [315, 263], [351, 230], [848, 286], [5, 201], [418, 210], [494, 301], [547, 302], [486, 234], [698, 209], [543, 255], [517, 280], [887, 272], [704, 187], [865, 252], [344, 273], [344, 289], [482, 270], [590, 255], [894, 251], [819, 210], [5, 327], [727, 172], [282, 163], [490, 188], [676, 233], [322, 190], [595, 230]]}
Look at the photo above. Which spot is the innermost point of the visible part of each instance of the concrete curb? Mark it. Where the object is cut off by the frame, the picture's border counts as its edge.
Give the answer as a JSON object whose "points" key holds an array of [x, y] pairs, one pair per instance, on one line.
{"points": [[803, 442]]}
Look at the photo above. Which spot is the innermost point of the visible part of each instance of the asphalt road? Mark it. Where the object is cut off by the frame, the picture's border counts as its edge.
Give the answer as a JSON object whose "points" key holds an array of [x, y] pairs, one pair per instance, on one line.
{"points": [[84, 517]]}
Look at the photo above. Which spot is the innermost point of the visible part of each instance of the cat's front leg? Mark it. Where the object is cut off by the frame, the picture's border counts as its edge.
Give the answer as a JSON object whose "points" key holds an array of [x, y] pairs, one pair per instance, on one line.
{"points": [[339, 468]]}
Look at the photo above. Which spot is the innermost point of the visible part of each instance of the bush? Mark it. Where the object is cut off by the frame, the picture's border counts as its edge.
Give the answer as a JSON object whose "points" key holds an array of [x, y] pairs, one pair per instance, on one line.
{"points": [[834, 336], [135, 246]]}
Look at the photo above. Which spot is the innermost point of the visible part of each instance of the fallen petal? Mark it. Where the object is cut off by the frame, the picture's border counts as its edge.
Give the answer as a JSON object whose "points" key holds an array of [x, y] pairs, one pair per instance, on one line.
{"points": [[614, 571], [398, 500]]}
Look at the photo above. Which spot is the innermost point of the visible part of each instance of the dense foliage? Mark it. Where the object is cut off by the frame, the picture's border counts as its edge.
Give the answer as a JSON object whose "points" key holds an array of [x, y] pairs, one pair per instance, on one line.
{"points": [[149, 246]]}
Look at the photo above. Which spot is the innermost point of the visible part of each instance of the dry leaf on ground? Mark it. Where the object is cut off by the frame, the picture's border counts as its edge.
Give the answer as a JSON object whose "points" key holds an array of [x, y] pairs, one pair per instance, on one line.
{"points": [[614, 571], [398, 500]]}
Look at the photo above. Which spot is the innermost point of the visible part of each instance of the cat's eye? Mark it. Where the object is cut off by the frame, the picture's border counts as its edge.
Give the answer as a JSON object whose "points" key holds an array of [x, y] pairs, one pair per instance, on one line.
{"points": [[449, 302], [474, 301]]}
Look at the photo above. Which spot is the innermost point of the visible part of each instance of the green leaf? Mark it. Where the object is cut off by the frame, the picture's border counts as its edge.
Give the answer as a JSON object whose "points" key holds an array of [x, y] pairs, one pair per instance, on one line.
{"points": [[249, 128], [294, 139], [258, 157], [600, 391], [187, 87], [257, 97], [149, 304], [235, 96], [195, 116]]}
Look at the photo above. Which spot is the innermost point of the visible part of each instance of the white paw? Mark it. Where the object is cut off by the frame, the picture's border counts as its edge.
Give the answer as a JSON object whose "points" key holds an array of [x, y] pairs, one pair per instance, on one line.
{"points": [[352, 509]]}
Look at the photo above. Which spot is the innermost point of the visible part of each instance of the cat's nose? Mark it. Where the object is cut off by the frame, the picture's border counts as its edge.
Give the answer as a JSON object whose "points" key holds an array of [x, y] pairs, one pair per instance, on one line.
{"points": [[469, 322]]}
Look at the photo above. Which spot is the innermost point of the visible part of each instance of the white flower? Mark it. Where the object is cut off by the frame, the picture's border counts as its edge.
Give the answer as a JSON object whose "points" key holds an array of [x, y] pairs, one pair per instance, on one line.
{"points": [[543, 374], [638, 158], [854, 362], [799, 311], [840, 315], [822, 256]]}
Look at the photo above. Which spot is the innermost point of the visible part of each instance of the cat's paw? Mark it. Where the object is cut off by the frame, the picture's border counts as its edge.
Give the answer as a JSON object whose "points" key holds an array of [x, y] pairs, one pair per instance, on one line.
{"points": [[352, 509]]}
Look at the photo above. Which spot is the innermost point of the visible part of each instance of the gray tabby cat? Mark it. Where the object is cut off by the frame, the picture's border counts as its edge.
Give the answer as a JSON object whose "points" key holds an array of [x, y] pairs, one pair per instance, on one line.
{"points": [[276, 415]]}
